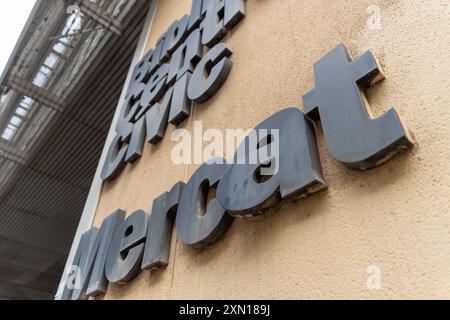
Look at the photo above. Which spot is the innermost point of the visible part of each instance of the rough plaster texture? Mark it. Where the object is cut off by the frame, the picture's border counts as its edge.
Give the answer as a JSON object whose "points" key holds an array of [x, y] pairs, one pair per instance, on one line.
{"points": [[396, 216]]}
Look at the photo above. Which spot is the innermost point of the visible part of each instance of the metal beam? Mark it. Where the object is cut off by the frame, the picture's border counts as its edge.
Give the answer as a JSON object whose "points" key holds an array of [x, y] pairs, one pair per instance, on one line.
{"points": [[36, 93], [100, 16], [92, 201], [20, 42], [11, 157]]}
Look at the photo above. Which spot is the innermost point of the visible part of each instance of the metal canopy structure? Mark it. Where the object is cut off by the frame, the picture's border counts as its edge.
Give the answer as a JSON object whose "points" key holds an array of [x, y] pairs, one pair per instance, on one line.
{"points": [[59, 92]]}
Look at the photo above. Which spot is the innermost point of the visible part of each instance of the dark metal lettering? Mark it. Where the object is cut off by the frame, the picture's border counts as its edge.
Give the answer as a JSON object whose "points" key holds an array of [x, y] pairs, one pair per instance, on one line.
{"points": [[299, 174], [157, 118], [159, 236], [186, 57], [200, 224], [353, 136], [115, 159], [181, 104], [217, 66], [174, 37], [90, 260], [127, 248], [213, 25]]}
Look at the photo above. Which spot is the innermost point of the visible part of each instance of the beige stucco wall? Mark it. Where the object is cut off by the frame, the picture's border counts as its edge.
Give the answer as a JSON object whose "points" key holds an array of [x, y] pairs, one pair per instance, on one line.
{"points": [[396, 217]]}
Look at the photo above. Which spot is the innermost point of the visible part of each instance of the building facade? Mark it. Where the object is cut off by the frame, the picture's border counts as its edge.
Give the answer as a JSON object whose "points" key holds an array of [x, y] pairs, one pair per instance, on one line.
{"points": [[378, 233]]}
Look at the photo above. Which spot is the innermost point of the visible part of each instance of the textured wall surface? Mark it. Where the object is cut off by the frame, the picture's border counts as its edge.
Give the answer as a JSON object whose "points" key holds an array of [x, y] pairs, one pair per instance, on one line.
{"points": [[396, 216]]}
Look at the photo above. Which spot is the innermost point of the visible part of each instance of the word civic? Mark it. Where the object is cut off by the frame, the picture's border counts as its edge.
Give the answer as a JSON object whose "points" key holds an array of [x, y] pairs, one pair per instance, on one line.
{"points": [[121, 248], [171, 77]]}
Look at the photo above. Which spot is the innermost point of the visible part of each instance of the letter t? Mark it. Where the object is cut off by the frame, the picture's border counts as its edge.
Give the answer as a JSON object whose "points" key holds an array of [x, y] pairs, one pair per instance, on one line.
{"points": [[353, 136]]}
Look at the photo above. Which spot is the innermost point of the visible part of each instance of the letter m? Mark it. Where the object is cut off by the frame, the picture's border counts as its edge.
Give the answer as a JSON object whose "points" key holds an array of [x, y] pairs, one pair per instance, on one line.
{"points": [[89, 261]]}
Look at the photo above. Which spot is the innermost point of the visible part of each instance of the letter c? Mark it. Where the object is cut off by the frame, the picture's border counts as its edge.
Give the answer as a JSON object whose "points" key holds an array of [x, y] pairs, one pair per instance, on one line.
{"points": [[115, 160], [198, 225]]}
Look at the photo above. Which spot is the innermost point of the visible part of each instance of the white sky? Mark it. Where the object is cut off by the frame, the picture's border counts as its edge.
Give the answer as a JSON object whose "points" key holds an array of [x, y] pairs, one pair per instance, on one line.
{"points": [[13, 16]]}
